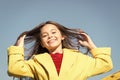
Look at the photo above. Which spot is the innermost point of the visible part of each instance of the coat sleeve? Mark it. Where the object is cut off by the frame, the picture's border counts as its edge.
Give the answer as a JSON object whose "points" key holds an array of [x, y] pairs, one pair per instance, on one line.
{"points": [[17, 66], [101, 61]]}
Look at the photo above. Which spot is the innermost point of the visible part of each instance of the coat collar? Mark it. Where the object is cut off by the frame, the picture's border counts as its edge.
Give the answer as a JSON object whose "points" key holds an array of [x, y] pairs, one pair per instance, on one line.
{"points": [[67, 62]]}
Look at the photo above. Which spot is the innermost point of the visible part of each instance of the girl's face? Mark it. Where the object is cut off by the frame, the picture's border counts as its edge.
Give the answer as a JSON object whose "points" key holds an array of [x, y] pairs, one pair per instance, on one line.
{"points": [[51, 37]]}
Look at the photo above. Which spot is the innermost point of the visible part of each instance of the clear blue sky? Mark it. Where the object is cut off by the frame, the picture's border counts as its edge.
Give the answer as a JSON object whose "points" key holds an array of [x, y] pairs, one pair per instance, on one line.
{"points": [[99, 18]]}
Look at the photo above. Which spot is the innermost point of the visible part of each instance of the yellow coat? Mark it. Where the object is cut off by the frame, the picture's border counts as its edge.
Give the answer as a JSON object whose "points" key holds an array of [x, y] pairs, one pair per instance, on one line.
{"points": [[75, 65]]}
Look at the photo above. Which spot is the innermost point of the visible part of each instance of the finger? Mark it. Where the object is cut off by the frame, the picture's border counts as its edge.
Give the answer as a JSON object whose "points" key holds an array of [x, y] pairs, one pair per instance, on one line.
{"points": [[23, 36], [21, 39], [81, 42], [20, 42], [85, 36]]}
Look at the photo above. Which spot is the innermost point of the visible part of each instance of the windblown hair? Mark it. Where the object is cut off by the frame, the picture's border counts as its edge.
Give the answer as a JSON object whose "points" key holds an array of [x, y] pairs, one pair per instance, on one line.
{"points": [[71, 38]]}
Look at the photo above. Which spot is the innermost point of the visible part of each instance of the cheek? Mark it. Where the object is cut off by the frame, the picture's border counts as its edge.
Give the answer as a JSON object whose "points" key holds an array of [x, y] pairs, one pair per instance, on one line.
{"points": [[43, 41], [43, 44]]}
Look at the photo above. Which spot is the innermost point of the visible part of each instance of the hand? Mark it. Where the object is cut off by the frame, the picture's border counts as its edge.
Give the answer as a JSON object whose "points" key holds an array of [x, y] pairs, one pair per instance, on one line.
{"points": [[87, 42], [20, 41]]}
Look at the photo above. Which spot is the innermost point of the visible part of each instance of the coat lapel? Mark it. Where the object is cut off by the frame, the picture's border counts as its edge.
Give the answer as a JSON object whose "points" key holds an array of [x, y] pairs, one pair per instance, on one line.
{"points": [[46, 61], [67, 62]]}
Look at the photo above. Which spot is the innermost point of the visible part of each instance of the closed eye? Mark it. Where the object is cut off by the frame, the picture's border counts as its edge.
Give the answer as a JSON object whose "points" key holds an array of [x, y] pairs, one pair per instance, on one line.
{"points": [[44, 35], [53, 32]]}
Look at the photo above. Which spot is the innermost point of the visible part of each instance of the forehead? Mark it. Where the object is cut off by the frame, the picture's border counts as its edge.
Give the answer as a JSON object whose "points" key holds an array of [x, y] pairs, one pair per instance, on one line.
{"points": [[48, 27]]}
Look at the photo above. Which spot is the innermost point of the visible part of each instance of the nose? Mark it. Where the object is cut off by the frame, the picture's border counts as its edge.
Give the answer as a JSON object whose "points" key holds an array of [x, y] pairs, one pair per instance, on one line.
{"points": [[50, 36]]}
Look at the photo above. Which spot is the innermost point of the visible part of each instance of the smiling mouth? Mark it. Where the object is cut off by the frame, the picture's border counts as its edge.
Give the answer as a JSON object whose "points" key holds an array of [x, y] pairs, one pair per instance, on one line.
{"points": [[52, 41]]}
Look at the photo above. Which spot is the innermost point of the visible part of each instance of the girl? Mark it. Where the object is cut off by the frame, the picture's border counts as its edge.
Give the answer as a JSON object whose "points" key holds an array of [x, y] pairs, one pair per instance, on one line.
{"points": [[56, 54]]}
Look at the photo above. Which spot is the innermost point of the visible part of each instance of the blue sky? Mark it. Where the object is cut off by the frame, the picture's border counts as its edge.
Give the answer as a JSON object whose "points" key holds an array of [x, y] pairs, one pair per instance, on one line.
{"points": [[99, 18]]}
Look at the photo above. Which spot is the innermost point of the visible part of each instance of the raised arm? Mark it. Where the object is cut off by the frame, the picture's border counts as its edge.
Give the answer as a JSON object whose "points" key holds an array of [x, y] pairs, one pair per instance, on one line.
{"points": [[100, 61], [17, 66]]}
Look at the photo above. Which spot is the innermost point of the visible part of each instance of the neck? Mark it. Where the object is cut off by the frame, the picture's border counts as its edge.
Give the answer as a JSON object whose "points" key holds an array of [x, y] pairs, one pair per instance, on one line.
{"points": [[56, 50]]}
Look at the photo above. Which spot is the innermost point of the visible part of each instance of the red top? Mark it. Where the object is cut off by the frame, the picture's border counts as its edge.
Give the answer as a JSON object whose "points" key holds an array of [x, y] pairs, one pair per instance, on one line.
{"points": [[57, 59]]}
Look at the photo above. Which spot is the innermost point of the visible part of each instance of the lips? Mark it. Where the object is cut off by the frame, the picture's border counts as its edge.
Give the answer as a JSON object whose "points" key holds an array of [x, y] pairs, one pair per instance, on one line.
{"points": [[51, 41]]}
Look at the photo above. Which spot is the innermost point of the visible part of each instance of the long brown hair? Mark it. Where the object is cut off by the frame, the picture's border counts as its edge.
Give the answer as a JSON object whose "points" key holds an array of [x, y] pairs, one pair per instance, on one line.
{"points": [[71, 38]]}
